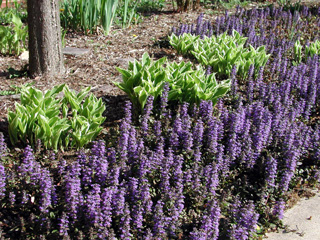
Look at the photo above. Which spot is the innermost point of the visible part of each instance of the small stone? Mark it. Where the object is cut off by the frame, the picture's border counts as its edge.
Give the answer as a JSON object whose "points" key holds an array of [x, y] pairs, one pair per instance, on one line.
{"points": [[75, 51], [24, 55]]}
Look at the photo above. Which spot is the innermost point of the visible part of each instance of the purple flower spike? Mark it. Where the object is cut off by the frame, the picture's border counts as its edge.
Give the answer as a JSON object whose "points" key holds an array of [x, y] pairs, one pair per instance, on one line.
{"points": [[27, 162], [64, 225], [125, 224], [46, 188], [271, 171], [93, 204], [278, 209], [2, 181], [159, 221], [146, 115]]}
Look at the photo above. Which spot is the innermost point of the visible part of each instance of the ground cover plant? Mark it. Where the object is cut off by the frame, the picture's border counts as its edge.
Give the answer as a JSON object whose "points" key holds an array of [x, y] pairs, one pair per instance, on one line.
{"points": [[184, 171]]}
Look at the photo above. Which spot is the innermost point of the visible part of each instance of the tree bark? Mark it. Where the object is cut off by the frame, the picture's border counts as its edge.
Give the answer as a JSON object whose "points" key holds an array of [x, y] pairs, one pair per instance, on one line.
{"points": [[45, 47]]}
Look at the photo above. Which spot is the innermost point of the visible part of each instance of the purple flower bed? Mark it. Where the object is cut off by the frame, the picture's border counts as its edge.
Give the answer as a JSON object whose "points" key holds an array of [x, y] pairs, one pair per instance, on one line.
{"points": [[183, 172]]}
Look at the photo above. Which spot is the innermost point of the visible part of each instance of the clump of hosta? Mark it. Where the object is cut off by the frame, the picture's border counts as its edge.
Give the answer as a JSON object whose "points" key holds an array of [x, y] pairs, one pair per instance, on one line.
{"points": [[143, 79], [184, 43], [73, 120], [186, 83], [193, 85], [221, 52]]}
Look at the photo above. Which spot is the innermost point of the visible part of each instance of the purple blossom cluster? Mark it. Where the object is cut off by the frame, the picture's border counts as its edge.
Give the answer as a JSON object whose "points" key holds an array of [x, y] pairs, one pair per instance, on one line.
{"points": [[244, 219]]}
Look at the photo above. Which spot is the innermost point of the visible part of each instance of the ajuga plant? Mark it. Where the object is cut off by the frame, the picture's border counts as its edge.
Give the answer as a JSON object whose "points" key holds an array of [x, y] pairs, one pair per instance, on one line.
{"points": [[221, 52], [73, 120], [186, 83], [174, 176]]}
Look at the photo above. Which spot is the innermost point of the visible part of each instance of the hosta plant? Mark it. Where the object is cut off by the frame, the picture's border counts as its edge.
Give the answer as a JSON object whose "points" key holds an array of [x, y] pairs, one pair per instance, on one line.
{"points": [[43, 116], [193, 85], [86, 115], [143, 79], [221, 52], [184, 44], [147, 78]]}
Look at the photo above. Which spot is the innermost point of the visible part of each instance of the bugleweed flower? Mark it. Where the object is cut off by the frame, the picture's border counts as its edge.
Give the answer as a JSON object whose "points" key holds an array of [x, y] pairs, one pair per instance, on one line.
{"points": [[164, 100], [146, 115], [106, 209], [93, 204], [145, 197], [62, 166], [176, 131], [64, 225], [28, 162], [72, 194], [210, 221], [212, 178], [197, 235], [157, 129], [166, 165], [206, 110], [105, 220], [159, 221], [245, 219], [12, 198], [46, 187], [198, 133], [278, 208], [125, 224], [118, 201], [185, 135], [271, 171], [99, 162], [2, 181], [132, 144], [124, 129]]}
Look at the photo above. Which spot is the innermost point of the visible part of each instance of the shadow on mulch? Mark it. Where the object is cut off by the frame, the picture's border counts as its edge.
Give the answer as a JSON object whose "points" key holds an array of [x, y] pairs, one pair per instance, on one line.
{"points": [[4, 74]]}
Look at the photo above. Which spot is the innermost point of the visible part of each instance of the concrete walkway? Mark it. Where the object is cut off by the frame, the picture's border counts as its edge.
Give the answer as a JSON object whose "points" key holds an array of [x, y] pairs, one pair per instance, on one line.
{"points": [[302, 221]]}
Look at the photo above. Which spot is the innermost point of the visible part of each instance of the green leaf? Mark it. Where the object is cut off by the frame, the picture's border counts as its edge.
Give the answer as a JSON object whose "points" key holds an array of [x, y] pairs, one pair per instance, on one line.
{"points": [[13, 129], [142, 96], [125, 74], [55, 90], [82, 94], [44, 123]]}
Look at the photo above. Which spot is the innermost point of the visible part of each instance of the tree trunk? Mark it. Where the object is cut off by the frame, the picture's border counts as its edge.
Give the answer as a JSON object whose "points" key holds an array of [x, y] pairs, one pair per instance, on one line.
{"points": [[45, 47]]}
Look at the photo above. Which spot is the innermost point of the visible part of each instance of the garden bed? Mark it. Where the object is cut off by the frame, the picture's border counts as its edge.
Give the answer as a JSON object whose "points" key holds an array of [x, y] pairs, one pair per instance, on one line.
{"points": [[178, 171]]}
